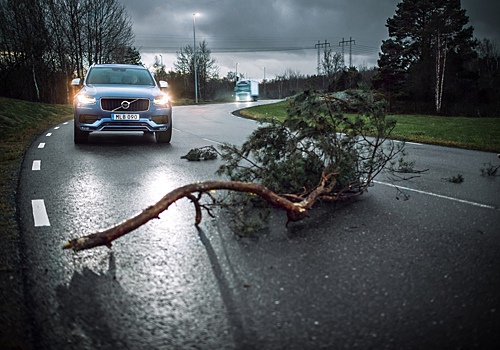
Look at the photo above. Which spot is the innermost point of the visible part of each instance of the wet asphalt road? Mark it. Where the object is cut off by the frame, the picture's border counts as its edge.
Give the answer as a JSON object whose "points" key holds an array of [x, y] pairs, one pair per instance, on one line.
{"points": [[374, 273]]}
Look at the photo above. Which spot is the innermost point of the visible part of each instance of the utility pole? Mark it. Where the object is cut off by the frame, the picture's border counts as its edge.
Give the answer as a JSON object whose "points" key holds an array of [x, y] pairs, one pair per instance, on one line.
{"points": [[350, 42], [194, 60], [318, 46]]}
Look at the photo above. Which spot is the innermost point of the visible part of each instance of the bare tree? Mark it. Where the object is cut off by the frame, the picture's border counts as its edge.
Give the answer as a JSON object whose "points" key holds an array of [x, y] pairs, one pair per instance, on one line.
{"points": [[24, 41], [206, 66], [331, 63], [44, 42], [108, 28], [489, 54], [292, 77]]}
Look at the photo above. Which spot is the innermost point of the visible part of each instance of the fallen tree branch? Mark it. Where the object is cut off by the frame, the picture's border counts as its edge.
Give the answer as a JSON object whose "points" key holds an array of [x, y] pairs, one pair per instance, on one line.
{"points": [[295, 211]]}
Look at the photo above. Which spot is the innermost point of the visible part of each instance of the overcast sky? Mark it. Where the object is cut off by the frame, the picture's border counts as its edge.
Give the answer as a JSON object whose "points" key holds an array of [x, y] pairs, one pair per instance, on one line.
{"points": [[277, 34]]}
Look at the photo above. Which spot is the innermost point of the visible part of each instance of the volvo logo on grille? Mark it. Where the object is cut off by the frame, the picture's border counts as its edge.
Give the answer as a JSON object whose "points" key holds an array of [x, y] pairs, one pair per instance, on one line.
{"points": [[125, 104]]}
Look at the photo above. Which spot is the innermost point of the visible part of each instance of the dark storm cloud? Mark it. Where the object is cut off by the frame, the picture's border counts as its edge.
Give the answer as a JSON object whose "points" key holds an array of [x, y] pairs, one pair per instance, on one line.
{"points": [[484, 17], [278, 32], [236, 24]]}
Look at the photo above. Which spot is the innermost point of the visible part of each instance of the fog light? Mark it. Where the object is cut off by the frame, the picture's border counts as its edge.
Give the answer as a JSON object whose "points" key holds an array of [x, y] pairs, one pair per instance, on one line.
{"points": [[160, 119]]}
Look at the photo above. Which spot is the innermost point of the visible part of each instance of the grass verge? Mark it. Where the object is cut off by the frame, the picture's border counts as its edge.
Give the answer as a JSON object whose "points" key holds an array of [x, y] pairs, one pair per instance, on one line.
{"points": [[20, 122], [482, 134]]}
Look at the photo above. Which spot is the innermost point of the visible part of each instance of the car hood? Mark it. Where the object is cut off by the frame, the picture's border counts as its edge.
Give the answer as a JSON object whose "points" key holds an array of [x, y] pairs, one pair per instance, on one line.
{"points": [[100, 91]]}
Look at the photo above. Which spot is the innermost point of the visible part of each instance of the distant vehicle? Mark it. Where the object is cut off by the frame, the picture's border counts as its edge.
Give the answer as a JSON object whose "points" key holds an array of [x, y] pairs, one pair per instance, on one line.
{"points": [[246, 90], [119, 97]]}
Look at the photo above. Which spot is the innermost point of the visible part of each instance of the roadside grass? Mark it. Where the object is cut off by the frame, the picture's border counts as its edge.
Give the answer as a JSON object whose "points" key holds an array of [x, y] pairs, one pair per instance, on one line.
{"points": [[482, 134], [276, 111], [20, 123]]}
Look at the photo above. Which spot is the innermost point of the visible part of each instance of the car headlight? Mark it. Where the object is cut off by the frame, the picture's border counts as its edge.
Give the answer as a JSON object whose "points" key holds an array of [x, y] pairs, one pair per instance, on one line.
{"points": [[162, 100], [85, 99]]}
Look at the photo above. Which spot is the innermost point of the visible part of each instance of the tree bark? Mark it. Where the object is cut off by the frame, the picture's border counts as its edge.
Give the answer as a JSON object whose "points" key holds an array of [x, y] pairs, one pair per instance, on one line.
{"points": [[295, 211], [441, 53]]}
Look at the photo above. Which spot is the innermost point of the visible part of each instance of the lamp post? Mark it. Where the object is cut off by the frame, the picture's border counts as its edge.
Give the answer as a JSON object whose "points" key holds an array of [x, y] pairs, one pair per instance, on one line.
{"points": [[237, 71], [264, 81], [194, 51]]}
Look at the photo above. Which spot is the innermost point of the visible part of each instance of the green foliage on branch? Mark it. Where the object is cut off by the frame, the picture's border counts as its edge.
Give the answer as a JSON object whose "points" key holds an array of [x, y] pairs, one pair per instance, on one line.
{"points": [[316, 140], [203, 153]]}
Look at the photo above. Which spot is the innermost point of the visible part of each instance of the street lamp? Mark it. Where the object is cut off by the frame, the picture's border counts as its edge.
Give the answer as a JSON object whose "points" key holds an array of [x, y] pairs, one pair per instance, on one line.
{"points": [[237, 71], [194, 51], [264, 81]]}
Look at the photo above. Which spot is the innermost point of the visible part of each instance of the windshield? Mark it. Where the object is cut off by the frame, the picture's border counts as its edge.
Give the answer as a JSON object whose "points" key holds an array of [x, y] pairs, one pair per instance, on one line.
{"points": [[127, 76], [242, 86]]}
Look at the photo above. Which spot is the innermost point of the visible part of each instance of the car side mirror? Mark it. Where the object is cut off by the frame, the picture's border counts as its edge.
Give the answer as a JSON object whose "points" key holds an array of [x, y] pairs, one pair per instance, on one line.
{"points": [[76, 82], [163, 84]]}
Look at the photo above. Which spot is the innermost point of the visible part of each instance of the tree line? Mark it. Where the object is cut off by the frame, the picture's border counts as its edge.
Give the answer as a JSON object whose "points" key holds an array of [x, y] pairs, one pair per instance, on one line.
{"points": [[430, 64], [45, 43], [212, 87]]}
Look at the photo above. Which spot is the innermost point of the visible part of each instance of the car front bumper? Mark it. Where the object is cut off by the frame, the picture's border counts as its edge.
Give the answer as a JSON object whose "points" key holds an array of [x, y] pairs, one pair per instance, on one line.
{"points": [[92, 119]]}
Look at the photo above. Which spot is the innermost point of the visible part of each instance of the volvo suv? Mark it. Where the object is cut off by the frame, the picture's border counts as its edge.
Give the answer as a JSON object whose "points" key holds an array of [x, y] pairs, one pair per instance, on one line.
{"points": [[119, 97]]}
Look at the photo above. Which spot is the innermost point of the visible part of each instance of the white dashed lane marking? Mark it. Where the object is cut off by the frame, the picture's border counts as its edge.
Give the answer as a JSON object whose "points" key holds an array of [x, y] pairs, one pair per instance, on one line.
{"points": [[40, 216], [36, 165], [39, 213]]}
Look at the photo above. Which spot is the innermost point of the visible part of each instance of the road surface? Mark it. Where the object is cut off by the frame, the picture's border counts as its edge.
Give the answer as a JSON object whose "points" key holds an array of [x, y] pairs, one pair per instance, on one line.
{"points": [[377, 272]]}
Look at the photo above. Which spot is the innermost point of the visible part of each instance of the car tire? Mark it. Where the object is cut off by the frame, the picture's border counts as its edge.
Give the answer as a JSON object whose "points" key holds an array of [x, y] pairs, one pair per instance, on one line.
{"points": [[80, 136], [164, 136]]}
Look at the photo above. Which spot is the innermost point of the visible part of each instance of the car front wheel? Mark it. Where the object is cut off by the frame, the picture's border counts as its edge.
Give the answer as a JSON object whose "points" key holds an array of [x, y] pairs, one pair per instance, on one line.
{"points": [[80, 136], [164, 136]]}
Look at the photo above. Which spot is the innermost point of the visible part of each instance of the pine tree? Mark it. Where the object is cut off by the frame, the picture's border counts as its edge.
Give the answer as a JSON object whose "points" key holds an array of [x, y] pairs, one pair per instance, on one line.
{"points": [[423, 34]]}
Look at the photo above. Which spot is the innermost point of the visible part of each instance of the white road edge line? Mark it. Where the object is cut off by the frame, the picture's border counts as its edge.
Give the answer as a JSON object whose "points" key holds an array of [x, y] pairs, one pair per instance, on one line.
{"points": [[39, 213], [437, 195], [213, 141], [41, 145], [48, 134], [36, 165], [409, 143]]}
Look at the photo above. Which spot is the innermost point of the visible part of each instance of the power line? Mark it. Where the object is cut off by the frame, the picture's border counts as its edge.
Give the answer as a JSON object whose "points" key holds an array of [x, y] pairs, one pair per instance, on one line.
{"points": [[173, 42], [318, 46], [360, 49], [173, 49], [350, 42]]}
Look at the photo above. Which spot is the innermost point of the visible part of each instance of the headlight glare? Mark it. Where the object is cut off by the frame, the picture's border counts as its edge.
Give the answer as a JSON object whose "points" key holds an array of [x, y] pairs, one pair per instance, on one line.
{"points": [[85, 100], [161, 100]]}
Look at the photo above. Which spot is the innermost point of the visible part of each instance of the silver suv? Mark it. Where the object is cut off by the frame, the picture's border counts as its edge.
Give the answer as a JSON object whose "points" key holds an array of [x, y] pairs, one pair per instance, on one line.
{"points": [[119, 97]]}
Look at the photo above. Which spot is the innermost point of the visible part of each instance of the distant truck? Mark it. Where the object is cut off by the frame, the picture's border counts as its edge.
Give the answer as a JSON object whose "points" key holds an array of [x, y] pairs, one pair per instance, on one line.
{"points": [[246, 90]]}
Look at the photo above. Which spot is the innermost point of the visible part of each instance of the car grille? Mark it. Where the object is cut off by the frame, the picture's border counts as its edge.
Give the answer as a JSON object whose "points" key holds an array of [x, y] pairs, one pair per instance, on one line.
{"points": [[115, 104]]}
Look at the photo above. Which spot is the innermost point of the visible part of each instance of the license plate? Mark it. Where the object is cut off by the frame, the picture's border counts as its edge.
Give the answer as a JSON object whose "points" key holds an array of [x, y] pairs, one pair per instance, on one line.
{"points": [[126, 116]]}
